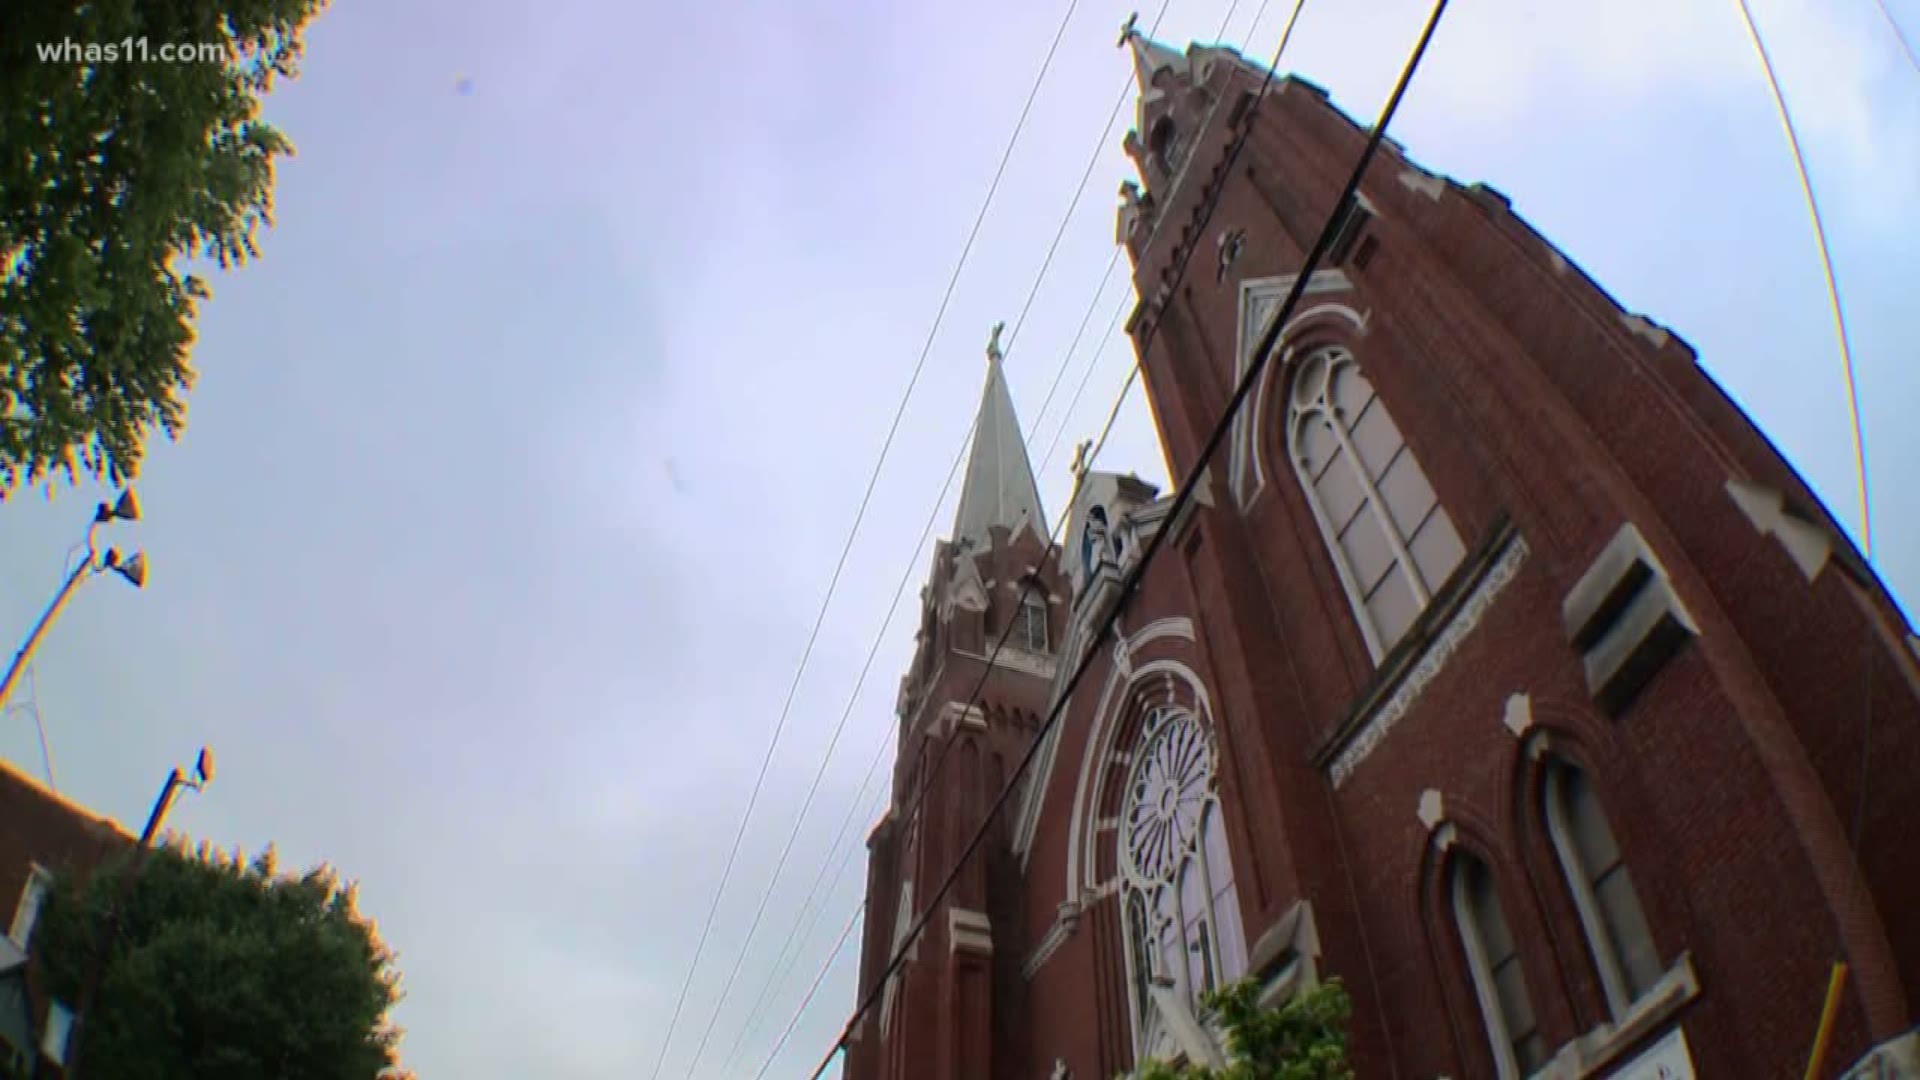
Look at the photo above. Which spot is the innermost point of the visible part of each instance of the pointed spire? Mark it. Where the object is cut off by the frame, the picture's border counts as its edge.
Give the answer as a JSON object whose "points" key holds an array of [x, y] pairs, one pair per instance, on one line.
{"points": [[999, 488], [1149, 56]]}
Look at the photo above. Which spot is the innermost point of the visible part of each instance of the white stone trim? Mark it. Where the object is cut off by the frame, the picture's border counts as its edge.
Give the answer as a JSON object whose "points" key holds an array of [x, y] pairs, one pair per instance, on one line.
{"points": [[1896, 1059], [1645, 329], [958, 714], [1179, 627], [1260, 300], [1518, 716], [1439, 648], [1492, 1020], [1807, 544], [1421, 182], [1432, 808], [1014, 658], [1065, 922], [1092, 780], [1598, 1052], [969, 930]]}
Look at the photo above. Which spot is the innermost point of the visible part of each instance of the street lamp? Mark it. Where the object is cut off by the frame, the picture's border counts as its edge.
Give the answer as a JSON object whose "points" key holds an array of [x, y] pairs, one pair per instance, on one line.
{"points": [[133, 568], [201, 776]]}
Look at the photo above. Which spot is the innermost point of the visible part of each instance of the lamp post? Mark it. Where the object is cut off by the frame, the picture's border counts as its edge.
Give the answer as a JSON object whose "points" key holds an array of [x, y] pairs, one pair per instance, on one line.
{"points": [[110, 937], [134, 569]]}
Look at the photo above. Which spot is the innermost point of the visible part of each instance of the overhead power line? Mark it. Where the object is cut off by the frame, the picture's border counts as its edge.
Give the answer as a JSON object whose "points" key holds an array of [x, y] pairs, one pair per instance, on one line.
{"points": [[733, 852], [1182, 497], [1020, 321], [1899, 35]]}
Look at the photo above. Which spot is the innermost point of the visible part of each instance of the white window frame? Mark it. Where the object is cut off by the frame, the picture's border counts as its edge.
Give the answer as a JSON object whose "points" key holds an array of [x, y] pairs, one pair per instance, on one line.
{"points": [[1381, 515], [57, 1033], [1480, 966], [33, 895], [1033, 609], [1600, 943]]}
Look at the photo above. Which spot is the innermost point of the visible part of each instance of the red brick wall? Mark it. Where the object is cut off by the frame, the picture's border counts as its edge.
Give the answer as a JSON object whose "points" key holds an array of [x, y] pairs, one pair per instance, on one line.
{"points": [[1540, 416]]}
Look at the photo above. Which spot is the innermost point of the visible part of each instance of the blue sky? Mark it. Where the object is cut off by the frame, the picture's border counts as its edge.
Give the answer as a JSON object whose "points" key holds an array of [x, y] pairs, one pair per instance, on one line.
{"points": [[518, 464]]}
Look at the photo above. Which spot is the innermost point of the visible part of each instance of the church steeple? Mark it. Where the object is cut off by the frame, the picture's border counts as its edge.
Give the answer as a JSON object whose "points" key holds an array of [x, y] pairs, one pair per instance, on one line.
{"points": [[1149, 56], [999, 488]]}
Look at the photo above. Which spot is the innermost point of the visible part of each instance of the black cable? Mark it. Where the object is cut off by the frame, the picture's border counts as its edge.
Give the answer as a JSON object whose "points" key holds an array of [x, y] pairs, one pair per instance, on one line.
{"points": [[1026, 307], [811, 990], [1131, 583], [866, 497]]}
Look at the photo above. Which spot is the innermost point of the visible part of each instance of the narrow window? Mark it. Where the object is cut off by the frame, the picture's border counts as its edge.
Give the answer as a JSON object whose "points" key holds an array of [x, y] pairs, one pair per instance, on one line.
{"points": [[1616, 926], [1033, 622], [28, 913], [1391, 541], [53, 1041], [1498, 980]]}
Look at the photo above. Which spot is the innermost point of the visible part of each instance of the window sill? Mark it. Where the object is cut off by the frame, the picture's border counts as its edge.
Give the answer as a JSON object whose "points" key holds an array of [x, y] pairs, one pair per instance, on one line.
{"points": [[1596, 1052]]}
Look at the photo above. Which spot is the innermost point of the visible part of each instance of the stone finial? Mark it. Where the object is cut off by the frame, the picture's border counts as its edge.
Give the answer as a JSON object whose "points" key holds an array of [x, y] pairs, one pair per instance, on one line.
{"points": [[994, 355]]}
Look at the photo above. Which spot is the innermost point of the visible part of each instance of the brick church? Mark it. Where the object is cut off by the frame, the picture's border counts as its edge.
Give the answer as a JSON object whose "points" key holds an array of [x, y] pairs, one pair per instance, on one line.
{"points": [[1499, 667]]}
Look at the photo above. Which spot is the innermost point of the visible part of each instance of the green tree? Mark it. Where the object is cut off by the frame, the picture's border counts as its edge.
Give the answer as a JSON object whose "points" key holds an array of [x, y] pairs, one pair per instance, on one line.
{"points": [[1304, 1039], [115, 169], [223, 970]]}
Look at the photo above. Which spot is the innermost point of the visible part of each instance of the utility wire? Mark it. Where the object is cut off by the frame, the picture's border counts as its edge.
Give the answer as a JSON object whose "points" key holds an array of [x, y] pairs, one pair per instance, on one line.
{"points": [[846, 860], [733, 852], [840, 728], [1826, 266], [1054, 539], [814, 905], [1182, 497], [790, 957], [1085, 376], [845, 933], [1899, 34], [1046, 262]]}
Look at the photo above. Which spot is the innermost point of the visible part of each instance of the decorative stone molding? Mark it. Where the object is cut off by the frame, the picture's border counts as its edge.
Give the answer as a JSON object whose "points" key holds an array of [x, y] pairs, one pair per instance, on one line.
{"points": [[1806, 543], [1624, 618], [1016, 659], [1519, 715], [1065, 922], [1646, 330], [1440, 647], [1433, 807], [958, 714], [969, 930], [1423, 183]]}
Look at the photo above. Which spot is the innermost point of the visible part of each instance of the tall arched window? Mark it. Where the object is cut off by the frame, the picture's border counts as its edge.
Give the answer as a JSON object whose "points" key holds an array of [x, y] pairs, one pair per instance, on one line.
{"points": [[1181, 910], [1494, 962], [1390, 538], [1610, 912]]}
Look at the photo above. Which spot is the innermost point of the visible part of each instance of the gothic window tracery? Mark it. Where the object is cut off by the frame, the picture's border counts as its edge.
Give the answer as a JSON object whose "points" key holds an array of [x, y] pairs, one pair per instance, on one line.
{"points": [[1179, 901], [1390, 539]]}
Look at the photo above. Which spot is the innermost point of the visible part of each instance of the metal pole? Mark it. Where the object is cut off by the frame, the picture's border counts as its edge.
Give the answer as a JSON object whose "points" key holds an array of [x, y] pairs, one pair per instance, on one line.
{"points": [[110, 932], [46, 619]]}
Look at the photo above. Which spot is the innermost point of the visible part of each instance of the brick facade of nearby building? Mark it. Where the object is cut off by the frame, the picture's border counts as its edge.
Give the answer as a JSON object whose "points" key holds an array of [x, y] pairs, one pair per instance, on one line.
{"points": [[1500, 668]]}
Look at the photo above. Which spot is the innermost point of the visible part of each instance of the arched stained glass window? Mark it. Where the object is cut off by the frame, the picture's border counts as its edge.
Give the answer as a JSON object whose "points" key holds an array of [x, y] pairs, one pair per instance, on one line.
{"points": [[1390, 538], [1181, 909]]}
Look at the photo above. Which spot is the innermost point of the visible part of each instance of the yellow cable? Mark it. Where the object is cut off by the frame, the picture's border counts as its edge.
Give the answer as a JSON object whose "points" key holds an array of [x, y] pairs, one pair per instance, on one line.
{"points": [[1833, 288], [1828, 1014]]}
